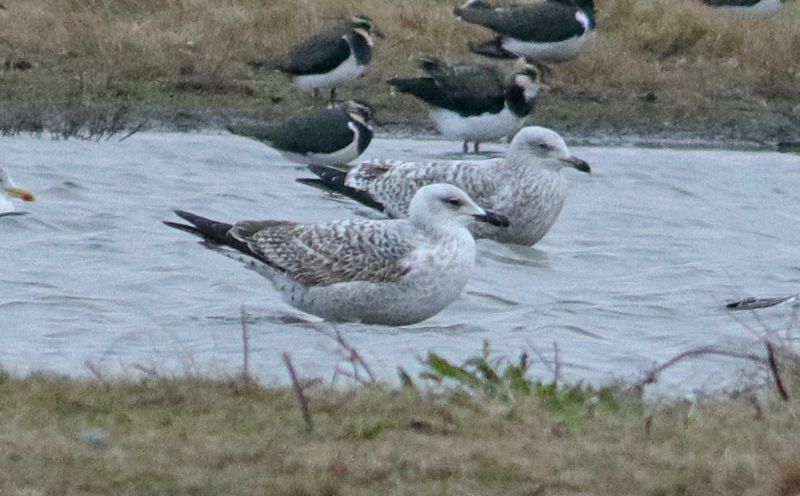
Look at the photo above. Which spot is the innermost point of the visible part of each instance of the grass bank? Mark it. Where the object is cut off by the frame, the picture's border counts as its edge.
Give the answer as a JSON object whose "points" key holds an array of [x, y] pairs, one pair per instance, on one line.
{"points": [[662, 68], [485, 429]]}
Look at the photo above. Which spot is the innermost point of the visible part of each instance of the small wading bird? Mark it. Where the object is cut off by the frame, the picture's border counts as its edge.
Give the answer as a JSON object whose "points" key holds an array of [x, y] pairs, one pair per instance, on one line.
{"points": [[389, 272], [526, 186], [329, 136], [542, 32], [474, 102], [761, 7], [331, 58], [10, 190]]}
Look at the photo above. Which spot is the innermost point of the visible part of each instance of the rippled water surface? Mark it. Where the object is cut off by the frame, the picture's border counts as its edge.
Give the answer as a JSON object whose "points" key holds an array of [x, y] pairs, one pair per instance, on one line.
{"points": [[637, 268]]}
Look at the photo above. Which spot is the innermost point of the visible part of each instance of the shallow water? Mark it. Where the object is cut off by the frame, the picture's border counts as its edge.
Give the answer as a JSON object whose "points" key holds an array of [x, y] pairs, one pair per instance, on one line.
{"points": [[637, 268]]}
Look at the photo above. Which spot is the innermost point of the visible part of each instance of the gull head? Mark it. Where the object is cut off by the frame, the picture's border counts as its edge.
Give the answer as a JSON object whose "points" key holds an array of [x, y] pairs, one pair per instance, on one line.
{"points": [[442, 204], [9, 187], [546, 148], [360, 111]]}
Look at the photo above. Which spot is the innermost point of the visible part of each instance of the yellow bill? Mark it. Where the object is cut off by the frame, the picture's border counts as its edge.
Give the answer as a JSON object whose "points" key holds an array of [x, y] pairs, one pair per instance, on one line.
{"points": [[21, 193]]}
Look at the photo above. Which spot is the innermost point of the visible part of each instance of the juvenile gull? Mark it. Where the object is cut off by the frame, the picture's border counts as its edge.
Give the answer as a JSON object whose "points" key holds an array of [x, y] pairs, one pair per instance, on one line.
{"points": [[526, 186], [8, 190], [389, 272]]}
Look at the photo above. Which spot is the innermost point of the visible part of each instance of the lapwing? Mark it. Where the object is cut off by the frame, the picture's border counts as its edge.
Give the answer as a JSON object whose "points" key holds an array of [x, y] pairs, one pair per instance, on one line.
{"points": [[8, 190], [757, 7], [474, 102], [330, 58], [389, 272], [328, 136], [526, 186], [542, 32]]}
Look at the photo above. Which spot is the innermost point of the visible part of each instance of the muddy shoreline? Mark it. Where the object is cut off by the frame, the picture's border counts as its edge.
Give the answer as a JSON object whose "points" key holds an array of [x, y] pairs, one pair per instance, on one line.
{"points": [[768, 132]]}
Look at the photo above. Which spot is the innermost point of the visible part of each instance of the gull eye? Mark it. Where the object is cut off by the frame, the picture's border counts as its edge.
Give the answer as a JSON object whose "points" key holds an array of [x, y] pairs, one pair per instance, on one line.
{"points": [[543, 146], [455, 202]]}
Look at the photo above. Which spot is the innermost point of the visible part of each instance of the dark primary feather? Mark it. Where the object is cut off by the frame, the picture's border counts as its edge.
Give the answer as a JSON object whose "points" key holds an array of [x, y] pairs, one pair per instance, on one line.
{"points": [[212, 231], [465, 88], [548, 21], [318, 131], [332, 179]]}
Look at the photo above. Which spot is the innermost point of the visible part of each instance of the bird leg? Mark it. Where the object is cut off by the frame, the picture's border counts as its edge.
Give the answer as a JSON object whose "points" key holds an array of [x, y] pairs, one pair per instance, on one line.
{"points": [[476, 147], [465, 148], [333, 96]]}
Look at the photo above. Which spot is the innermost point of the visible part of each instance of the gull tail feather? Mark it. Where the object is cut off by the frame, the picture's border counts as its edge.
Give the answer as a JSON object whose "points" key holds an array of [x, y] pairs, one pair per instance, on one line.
{"points": [[333, 179]]}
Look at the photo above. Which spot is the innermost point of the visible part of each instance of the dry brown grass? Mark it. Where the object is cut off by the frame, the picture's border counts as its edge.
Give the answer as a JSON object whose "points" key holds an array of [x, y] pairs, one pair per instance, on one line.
{"points": [[659, 64], [202, 437]]}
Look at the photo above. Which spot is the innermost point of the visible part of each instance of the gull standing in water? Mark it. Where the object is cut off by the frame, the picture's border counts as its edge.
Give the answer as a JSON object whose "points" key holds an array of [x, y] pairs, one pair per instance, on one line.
{"points": [[8, 190], [389, 272], [526, 186]]}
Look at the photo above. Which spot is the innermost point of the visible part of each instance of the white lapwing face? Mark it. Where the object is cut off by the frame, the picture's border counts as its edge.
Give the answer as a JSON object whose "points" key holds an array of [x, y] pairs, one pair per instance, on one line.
{"points": [[366, 28], [582, 18], [360, 111], [366, 35], [530, 87]]}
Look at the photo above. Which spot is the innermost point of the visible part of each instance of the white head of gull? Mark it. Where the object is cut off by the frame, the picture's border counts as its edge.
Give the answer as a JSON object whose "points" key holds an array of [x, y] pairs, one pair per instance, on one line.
{"points": [[526, 186], [389, 272], [543, 148], [8, 190]]}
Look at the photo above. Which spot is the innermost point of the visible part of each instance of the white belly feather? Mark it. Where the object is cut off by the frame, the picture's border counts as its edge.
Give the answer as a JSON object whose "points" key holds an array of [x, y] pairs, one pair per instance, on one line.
{"points": [[556, 51], [346, 71], [763, 7], [484, 127]]}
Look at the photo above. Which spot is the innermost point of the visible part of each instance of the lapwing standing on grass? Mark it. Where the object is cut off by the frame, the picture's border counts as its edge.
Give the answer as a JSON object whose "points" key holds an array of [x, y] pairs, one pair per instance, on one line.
{"points": [[331, 58], [8, 190], [329, 136], [542, 32], [757, 7], [526, 186], [474, 102]]}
